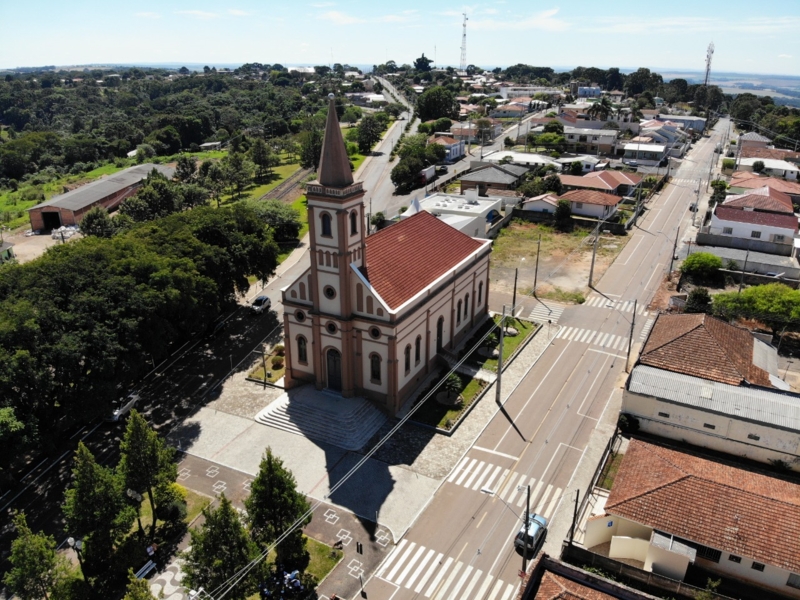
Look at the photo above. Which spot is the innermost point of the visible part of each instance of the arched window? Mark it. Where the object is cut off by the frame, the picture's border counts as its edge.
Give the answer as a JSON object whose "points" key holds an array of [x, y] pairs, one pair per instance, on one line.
{"points": [[407, 357], [480, 293], [326, 224], [302, 350], [458, 313], [466, 308], [417, 349], [375, 367], [359, 297], [302, 291], [354, 222], [369, 304]]}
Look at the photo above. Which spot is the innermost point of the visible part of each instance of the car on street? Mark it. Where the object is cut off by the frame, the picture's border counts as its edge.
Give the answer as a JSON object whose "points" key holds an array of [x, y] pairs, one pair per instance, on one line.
{"points": [[122, 407], [260, 304], [530, 536]]}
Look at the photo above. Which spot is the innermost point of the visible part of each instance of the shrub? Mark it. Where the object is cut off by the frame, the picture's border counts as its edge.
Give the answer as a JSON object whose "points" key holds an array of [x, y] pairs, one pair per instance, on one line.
{"points": [[728, 163], [758, 166], [280, 350], [699, 301], [453, 384], [628, 423], [277, 362], [701, 265]]}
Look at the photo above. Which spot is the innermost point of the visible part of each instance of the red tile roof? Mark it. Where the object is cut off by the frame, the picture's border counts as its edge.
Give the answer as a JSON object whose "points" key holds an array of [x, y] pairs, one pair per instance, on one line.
{"points": [[764, 198], [556, 587], [750, 180], [776, 153], [618, 176], [738, 215], [592, 183], [405, 258], [592, 197], [444, 140], [725, 507], [705, 347]]}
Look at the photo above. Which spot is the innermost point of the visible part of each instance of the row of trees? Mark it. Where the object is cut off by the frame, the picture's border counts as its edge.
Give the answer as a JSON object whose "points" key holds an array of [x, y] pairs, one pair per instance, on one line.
{"points": [[81, 323], [415, 154]]}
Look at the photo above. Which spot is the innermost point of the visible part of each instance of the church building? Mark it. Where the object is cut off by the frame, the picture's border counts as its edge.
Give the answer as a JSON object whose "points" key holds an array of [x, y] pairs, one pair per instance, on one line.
{"points": [[370, 315]]}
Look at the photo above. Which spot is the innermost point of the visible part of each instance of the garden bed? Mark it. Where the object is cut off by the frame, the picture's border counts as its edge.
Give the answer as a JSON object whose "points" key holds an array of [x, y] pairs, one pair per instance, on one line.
{"points": [[511, 343], [275, 363], [443, 417]]}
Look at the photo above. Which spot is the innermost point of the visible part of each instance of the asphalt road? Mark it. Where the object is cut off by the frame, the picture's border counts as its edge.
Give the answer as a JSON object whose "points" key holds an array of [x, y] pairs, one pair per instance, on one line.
{"points": [[462, 544]]}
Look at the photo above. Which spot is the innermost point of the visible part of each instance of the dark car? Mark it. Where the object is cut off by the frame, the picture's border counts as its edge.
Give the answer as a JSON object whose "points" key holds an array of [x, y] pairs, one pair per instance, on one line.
{"points": [[531, 535]]}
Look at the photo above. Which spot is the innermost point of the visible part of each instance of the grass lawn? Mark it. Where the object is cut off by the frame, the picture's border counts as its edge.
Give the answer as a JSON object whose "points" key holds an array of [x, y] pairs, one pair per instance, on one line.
{"points": [[274, 374], [357, 159], [301, 206], [195, 503], [444, 417], [510, 343], [520, 239], [610, 471]]}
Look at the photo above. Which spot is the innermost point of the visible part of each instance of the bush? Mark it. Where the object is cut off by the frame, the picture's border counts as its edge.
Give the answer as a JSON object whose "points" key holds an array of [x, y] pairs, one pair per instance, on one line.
{"points": [[699, 301], [701, 265], [728, 163], [628, 423], [280, 350], [277, 362], [453, 385]]}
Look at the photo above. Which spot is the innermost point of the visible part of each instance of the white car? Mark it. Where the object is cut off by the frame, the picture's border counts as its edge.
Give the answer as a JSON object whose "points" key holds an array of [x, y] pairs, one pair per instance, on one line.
{"points": [[261, 304], [122, 407]]}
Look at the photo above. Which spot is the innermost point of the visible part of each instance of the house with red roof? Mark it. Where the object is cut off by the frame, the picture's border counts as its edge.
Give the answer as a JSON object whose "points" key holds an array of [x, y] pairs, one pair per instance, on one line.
{"points": [[454, 149], [371, 314], [610, 182], [591, 203]]}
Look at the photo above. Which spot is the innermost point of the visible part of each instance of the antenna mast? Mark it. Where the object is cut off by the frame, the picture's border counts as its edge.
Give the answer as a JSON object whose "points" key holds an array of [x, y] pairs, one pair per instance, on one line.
{"points": [[709, 55], [464, 45]]}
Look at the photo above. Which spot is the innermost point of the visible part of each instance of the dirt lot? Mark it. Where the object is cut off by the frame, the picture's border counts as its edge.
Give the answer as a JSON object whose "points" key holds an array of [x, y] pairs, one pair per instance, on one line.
{"points": [[28, 248], [564, 261]]}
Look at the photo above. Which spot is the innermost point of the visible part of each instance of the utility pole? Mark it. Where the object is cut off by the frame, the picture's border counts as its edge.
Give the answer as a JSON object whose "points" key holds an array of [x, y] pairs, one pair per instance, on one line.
{"points": [[536, 270], [514, 297], [696, 203], [500, 357], [594, 254], [574, 517], [744, 268], [630, 339], [674, 249], [527, 518]]}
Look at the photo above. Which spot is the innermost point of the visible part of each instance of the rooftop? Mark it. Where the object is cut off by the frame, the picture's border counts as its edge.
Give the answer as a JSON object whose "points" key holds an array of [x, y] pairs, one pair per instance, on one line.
{"points": [[645, 147], [769, 219], [591, 197], [723, 506], [752, 136], [750, 180], [705, 347], [394, 265], [777, 153], [93, 192], [600, 180], [584, 131], [764, 198], [770, 163], [491, 174]]}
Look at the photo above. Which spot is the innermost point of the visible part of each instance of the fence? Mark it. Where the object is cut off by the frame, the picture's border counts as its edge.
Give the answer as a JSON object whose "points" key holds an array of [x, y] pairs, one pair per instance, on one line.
{"points": [[541, 217], [711, 239]]}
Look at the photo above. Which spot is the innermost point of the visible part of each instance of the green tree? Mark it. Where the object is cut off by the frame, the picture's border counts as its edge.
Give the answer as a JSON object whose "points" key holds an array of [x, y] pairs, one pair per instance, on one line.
{"points": [[37, 570], [186, 168], [98, 223], [701, 266], [699, 301], [263, 157], [192, 194], [281, 218], [576, 168], [138, 589], [310, 148], [554, 127], [563, 215], [13, 434], [437, 102], [405, 173], [552, 183], [238, 171], [95, 510], [146, 462], [351, 115], [157, 198], [758, 166], [213, 177], [775, 304], [273, 507], [220, 548], [423, 63], [369, 133], [378, 220]]}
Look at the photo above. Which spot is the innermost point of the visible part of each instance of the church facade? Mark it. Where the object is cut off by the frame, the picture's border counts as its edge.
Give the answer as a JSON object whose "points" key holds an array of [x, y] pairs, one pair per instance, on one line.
{"points": [[371, 313]]}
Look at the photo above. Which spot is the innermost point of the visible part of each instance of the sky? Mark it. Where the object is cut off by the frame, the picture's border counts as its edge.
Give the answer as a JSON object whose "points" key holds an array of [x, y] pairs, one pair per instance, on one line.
{"points": [[749, 36]]}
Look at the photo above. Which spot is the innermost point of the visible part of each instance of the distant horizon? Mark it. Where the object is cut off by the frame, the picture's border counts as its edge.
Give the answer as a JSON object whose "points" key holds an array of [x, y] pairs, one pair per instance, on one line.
{"points": [[749, 38]]}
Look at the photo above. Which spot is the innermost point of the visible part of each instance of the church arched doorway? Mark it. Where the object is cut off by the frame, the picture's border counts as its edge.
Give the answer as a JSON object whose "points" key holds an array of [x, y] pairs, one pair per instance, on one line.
{"points": [[334, 370], [439, 334]]}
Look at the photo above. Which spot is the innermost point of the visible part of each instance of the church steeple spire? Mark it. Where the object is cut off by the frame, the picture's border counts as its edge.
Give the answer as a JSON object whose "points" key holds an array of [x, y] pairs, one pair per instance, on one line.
{"points": [[334, 166]]}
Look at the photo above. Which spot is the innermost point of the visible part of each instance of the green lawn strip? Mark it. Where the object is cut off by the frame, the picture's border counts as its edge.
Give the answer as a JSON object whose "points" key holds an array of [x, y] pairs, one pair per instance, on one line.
{"points": [[434, 414], [510, 343], [300, 205], [274, 374], [558, 295], [357, 159], [195, 503], [610, 470]]}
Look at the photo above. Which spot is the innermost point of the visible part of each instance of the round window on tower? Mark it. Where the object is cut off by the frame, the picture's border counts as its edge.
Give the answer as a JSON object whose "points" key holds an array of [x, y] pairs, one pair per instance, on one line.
{"points": [[331, 327], [329, 292], [300, 316], [374, 333]]}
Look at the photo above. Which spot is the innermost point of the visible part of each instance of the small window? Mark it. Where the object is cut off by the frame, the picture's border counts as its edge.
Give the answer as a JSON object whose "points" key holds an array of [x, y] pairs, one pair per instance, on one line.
{"points": [[663, 414], [375, 368], [708, 553], [331, 327], [329, 292], [778, 238], [734, 558], [753, 436], [480, 292], [458, 313], [300, 316], [727, 230], [326, 225], [374, 333], [579, 205], [755, 234], [302, 350], [794, 581], [354, 222], [417, 349], [709, 426], [407, 358], [757, 567]]}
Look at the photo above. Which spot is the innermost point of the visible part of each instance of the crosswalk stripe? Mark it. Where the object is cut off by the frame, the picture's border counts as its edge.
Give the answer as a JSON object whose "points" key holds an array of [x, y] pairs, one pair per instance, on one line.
{"points": [[420, 568], [466, 471], [586, 335], [390, 575], [475, 472], [482, 590], [448, 581], [509, 593], [492, 478], [427, 575], [453, 592], [497, 587], [468, 589], [551, 507], [457, 470], [646, 329], [411, 563], [479, 483], [438, 578], [515, 490], [393, 556], [523, 497], [550, 312], [617, 343], [543, 499], [602, 341], [591, 337]]}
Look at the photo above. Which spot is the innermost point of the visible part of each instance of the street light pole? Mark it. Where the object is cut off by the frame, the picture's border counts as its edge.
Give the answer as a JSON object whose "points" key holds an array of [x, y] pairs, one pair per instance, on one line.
{"points": [[527, 520], [134, 495], [630, 339], [674, 248], [500, 357]]}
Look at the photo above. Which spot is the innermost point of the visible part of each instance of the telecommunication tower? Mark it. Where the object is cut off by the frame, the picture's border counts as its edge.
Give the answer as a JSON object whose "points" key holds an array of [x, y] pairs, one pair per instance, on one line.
{"points": [[709, 55], [464, 44]]}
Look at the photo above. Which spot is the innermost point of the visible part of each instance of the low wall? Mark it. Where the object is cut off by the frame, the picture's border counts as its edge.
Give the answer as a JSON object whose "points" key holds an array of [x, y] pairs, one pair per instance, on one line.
{"points": [[494, 230], [533, 216], [712, 239]]}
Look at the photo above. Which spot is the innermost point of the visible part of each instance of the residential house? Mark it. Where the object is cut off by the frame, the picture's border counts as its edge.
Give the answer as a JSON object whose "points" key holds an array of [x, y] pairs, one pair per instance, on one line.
{"points": [[616, 95], [669, 508], [6, 252], [742, 181], [764, 199], [599, 141], [471, 214], [689, 122], [454, 149], [772, 167], [210, 146], [729, 397], [644, 154], [591, 203], [588, 163], [752, 139], [529, 159], [368, 317], [514, 110], [612, 182], [776, 153], [469, 133], [666, 133], [546, 203], [496, 176]]}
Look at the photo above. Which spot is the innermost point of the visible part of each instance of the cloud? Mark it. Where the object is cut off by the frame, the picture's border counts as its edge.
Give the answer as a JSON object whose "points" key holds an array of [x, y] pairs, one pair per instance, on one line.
{"points": [[404, 17], [239, 13], [545, 21], [148, 15], [197, 14], [339, 18], [784, 56], [693, 25], [323, 4]]}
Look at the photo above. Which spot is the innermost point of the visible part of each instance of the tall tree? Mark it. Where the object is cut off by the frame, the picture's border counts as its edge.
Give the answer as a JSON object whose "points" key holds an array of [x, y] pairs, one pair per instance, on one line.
{"points": [[138, 589], [310, 148], [220, 548], [97, 222], [146, 462], [186, 168], [563, 215], [282, 219], [36, 568], [424, 64], [369, 133], [437, 102], [262, 156], [274, 505]]}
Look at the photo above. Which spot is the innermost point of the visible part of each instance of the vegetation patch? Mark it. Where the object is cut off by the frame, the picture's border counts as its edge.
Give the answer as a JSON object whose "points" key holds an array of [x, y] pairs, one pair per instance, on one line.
{"points": [[482, 356], [273, 364], [613, 462], [443, 416]]}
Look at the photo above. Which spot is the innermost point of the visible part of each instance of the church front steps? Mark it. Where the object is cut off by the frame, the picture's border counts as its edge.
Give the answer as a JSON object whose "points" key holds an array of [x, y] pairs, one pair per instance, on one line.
{"points": [[322, 416]]}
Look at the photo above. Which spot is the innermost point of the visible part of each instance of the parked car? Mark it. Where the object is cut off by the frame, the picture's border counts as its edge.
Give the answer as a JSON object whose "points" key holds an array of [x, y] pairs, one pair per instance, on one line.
{"points": [[122, 407], [530, 536], [260, 304]]}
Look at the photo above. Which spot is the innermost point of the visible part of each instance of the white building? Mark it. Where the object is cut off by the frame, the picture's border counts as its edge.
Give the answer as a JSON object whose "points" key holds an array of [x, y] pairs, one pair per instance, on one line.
{"points": [[528, 159], [772, 166], [476, 213], [590, 203], [777, 228]]}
